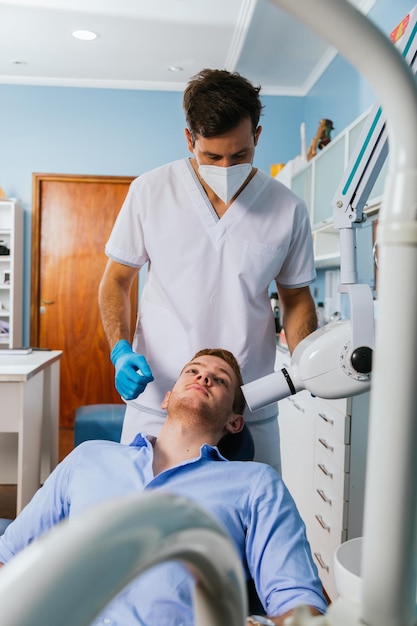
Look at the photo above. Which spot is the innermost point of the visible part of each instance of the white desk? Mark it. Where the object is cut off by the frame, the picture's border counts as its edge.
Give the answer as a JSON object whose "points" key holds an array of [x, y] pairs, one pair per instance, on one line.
{"points": [[29, 420]]}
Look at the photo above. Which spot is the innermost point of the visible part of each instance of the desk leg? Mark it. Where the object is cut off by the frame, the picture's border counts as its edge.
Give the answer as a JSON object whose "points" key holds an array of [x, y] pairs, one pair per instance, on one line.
{"points": [[29, 443], [50, 425]]}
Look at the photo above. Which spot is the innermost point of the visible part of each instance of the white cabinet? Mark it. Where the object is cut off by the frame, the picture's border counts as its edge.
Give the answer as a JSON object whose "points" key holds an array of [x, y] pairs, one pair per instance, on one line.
{"points": [[323, 452], [11, 273], [316, 182]]}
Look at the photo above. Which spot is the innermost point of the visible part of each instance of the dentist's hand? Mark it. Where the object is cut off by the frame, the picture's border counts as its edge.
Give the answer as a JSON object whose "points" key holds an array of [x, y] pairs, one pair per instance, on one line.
{"points": [[132, 371]]}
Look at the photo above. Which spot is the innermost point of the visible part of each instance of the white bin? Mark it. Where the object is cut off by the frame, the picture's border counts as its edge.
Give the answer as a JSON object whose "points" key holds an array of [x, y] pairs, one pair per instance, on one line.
{"points": [[347, 570]]}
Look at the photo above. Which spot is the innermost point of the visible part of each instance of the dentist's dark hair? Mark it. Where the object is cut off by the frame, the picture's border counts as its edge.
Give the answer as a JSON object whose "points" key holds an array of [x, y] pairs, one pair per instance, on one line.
{"points": [[217, 101]]}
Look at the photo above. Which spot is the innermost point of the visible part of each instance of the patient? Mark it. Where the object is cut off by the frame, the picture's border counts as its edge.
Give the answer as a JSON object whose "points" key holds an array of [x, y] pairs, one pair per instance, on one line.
{"points": [[248, 498]]}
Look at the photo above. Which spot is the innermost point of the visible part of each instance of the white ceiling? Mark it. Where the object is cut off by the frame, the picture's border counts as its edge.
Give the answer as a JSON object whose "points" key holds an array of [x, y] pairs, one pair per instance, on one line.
{"points": [[139, 40]]}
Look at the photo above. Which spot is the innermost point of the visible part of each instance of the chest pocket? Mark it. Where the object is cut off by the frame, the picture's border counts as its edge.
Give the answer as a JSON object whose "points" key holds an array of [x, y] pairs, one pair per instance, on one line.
{"points": [[261, 263]]}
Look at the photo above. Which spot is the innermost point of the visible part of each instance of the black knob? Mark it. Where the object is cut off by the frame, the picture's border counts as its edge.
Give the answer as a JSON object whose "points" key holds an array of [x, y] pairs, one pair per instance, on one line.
{"points": [[361, 360]]}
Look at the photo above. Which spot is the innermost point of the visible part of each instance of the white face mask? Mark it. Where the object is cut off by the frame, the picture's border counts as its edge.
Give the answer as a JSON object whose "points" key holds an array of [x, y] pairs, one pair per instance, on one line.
{"points": [[225, 181]]}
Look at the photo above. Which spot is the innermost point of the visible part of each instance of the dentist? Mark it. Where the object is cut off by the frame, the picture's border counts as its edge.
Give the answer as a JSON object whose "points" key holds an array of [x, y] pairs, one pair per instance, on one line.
{"points": [[215, 232]]}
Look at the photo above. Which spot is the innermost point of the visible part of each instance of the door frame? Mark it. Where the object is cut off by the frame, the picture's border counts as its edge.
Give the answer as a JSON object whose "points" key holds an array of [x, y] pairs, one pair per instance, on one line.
{"points": [[37, 180]]}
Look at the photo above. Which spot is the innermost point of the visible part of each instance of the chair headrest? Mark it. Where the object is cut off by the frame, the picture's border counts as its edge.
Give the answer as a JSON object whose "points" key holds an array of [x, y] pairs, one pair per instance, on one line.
{"points": [[237, 447], [4, 524]]}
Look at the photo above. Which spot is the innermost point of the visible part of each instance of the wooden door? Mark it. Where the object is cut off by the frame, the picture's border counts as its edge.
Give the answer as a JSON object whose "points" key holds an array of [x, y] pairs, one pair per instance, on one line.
{"points": [[72, 219]]}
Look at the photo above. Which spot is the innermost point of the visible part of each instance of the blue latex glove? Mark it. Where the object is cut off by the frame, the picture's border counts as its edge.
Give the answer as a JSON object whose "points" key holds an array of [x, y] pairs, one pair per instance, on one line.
{"points": [[132, 371]]}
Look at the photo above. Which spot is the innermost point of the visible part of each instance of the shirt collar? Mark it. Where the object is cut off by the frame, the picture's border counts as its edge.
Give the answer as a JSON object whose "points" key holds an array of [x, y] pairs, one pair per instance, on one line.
{"points": [[211, 452], [142, 440], [207, 451]]}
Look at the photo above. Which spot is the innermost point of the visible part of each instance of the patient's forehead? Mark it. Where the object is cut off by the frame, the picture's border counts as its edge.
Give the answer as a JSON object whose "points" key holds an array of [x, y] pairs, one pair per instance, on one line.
{"points": [[216, 363]]}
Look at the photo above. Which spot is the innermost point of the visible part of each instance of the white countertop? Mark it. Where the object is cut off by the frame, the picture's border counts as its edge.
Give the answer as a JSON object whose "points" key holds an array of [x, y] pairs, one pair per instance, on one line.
{"points": [[21, 367]]}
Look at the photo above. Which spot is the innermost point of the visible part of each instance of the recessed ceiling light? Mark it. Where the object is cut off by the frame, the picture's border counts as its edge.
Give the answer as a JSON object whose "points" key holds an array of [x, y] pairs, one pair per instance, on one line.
{"points": [[175, 68], [85, 35]]}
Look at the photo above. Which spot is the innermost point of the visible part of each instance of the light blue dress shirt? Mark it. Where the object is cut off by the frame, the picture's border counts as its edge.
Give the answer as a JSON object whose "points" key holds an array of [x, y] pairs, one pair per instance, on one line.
{"points": [[249, 499]]}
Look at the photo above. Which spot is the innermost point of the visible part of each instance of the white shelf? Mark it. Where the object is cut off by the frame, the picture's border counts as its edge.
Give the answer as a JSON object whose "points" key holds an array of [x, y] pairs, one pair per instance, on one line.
{"points": [[316, 182], [11, 270]]}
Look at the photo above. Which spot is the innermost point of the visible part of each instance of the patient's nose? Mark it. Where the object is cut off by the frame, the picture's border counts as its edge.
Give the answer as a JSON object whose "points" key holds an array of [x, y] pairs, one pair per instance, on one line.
{"points": [[204, 376]]}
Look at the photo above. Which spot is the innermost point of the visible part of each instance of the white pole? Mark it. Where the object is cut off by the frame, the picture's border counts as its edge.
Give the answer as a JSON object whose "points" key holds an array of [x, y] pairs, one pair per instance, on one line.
{"points": [[389, 569]]}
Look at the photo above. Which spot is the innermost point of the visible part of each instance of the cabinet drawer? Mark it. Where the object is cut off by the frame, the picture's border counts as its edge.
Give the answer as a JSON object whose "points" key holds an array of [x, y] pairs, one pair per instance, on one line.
{"points": [[327, 528], [332, 509], [323, 556], [332, 421], [329, 476], [340, 404], [297, 434], [300, 401], [337, 451]]}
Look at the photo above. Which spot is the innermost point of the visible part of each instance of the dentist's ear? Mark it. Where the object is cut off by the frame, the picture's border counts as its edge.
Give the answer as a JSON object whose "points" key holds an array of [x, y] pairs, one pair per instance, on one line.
{"points": [[164, 403], [235, 424], [190, 140]]}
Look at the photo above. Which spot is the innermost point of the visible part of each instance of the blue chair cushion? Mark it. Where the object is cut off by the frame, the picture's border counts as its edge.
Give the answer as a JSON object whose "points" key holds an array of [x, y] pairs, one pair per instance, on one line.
{"points": [[105, 421], [4, 524], [98, 421]]}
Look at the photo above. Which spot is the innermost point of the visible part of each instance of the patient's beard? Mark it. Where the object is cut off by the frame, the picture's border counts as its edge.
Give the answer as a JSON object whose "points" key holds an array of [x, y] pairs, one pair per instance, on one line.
{"points": [[195, 412]]}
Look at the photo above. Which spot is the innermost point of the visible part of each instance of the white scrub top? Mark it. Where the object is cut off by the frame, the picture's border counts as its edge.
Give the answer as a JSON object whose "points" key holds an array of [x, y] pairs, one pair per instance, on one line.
{"points": [[208, 277]]}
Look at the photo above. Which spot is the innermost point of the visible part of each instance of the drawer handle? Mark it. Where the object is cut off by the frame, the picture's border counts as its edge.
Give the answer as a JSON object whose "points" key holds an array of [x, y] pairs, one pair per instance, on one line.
{"points": [[325, 471], [326, 445], [325, 418], [322, 523], [321, 562], [323, 496], [296, 405]]}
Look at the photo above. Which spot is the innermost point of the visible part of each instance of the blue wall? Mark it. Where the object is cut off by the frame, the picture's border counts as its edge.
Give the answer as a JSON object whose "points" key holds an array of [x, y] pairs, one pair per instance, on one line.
{"points": [[108, 132], [85, 131], [114, 132]]}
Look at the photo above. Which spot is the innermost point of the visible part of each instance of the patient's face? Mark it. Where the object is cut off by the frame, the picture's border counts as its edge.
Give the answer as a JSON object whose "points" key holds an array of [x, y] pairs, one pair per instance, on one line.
{"points": [[206, 388]]}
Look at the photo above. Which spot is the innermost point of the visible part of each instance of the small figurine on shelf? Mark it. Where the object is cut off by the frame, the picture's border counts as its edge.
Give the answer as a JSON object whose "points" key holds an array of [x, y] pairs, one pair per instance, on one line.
{"points": [[321, 139]]}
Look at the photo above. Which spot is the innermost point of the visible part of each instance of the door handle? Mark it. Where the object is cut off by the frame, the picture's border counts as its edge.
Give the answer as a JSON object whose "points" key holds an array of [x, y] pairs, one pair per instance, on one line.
{"points": [[47, 301]]}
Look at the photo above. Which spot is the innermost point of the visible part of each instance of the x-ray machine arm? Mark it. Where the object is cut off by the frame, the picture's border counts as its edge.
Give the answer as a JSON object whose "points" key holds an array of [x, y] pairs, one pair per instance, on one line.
{"points": [[336, 361]]}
